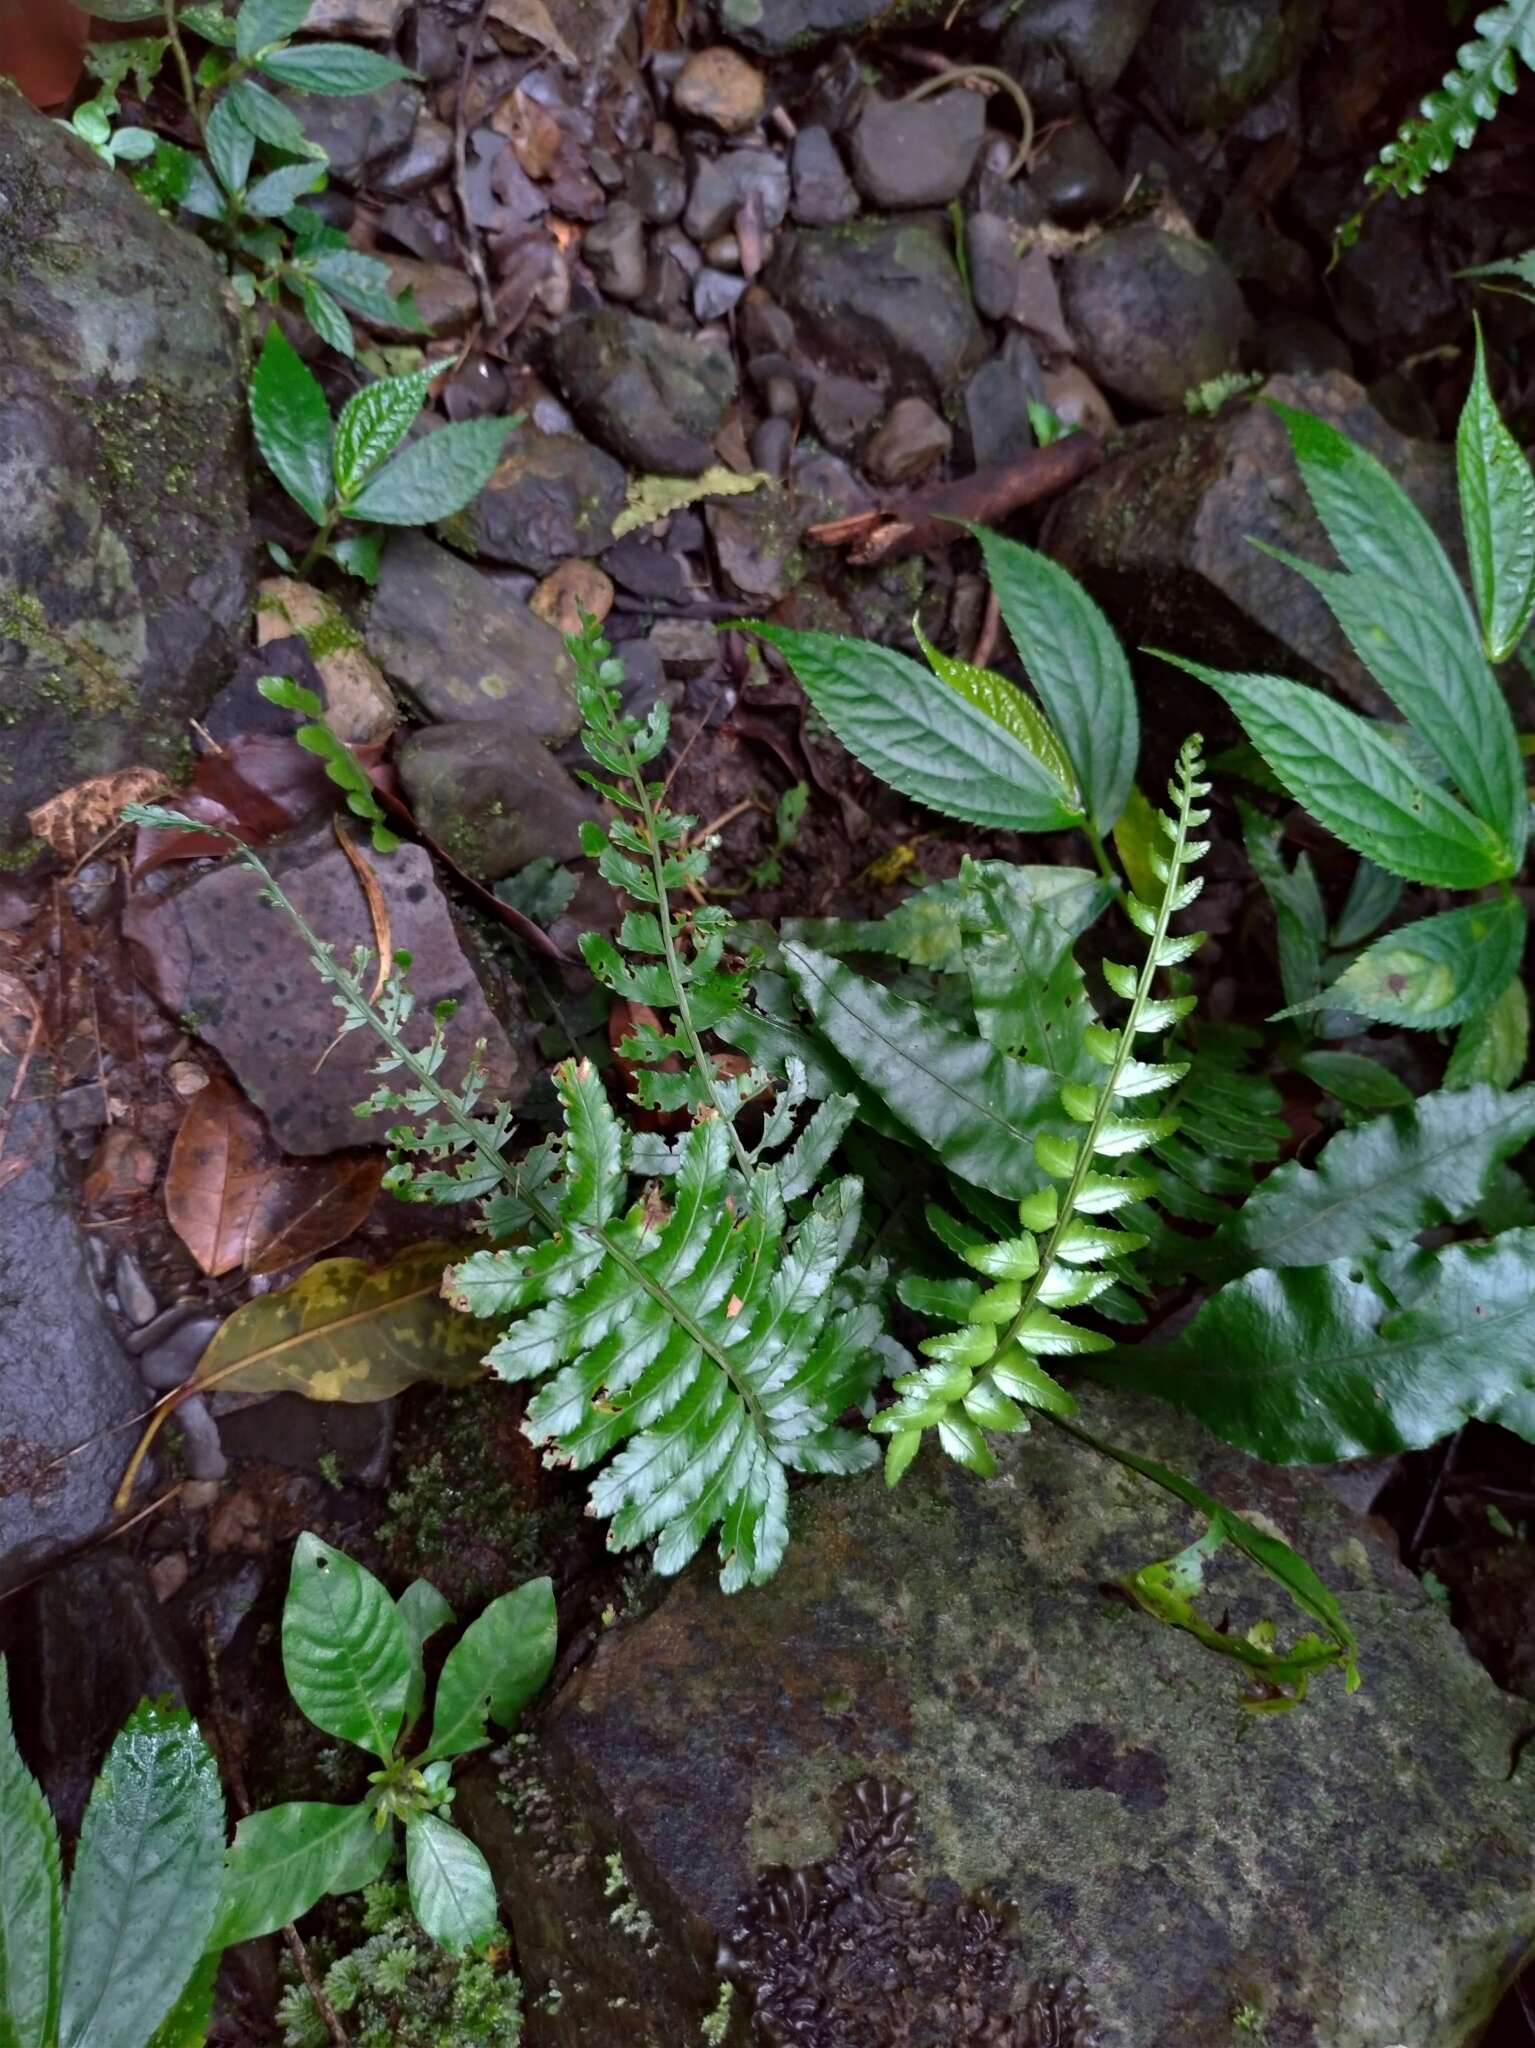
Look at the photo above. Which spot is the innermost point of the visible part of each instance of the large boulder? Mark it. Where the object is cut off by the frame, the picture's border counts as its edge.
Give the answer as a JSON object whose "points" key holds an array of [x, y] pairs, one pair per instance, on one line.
{"points": [[126, 571], [776, 26], [1353, 1873]]}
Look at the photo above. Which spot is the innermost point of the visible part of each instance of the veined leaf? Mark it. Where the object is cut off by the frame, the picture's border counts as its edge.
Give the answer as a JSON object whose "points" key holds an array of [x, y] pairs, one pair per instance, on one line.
{"points": [[977, 1108], [31, 1898], [1010, 707], [497, 1665], [1300, 915], [332, 68], [344, 1648], [1497, 508], [1029, 994], [452, 1892], [187, 2023], [1379, 1185], [1494, 1044], [291, 422], [231, 146], [1077, 667], [1438, 971], [285, 1859], [1348, 1360], [1355, 1080], [146, 1882], [1357, 783], [920, 736], [262, 22], [435, 476], [372, 424]]}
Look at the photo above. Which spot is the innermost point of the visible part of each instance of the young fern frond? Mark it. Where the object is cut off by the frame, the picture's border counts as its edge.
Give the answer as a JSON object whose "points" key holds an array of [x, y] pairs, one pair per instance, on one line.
{"points": [[1484, 69]]}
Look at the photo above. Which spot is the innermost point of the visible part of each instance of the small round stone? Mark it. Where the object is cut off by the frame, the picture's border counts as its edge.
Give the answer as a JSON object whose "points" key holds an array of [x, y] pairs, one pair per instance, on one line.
{"points": [[720, 87], [574, 588]]}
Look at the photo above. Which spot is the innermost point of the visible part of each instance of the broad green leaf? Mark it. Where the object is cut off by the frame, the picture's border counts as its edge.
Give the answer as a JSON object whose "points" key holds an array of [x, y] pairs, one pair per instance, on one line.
{"points": [[146, 1882], [452, 1892], [924, 739], [206, 18], [1355, 1080], [1493, 1045], [280, 190], [1009, 706], [231, 146], [1318, 1363], [373, 423], [121, 10], [361, 283], [423, 1611], [270, 121], [1430, 665], [186, 2024], [344, 1648], [338, 69], [260, 23], [1436, 972], [1377, 1186], [284, 1860], [496, 1666], [977, 1109], [1497, 509], [435, 476], [1360, 786], [292, 423], [30, 1898], [1077, 667], [1028, 991], [1372, 896]]}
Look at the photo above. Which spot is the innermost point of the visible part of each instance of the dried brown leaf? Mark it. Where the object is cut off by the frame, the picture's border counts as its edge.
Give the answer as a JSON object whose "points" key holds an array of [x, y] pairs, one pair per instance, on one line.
{"points": [[221, 1161], [77, 819]]}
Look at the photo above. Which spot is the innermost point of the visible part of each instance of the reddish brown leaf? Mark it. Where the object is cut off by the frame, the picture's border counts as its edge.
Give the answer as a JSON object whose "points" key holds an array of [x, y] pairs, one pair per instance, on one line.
{"points": [[307, 1206], [257, 787], [221, 1161]]}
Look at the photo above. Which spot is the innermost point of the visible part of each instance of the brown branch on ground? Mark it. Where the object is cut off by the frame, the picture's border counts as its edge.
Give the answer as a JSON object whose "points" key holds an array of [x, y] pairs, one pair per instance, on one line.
{"points": [[934, 516]]}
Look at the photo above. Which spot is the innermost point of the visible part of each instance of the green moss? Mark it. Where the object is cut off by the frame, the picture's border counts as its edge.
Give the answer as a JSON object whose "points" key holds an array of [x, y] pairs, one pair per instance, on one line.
{"points": [[78, 678], [330, 636]]}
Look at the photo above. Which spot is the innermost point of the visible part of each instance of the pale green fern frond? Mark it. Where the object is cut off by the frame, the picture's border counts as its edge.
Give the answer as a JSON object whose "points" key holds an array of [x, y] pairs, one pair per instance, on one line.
{"points": [[1484, 69]]}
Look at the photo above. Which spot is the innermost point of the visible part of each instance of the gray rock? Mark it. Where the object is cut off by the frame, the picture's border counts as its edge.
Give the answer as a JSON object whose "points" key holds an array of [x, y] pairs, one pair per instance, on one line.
{"points": [[1357, 1872], [1096, 37], [424, 159], [914, 153], [214, 952], [552, 496], [201, 1449], [64, 1380], [755, 541], [653, 397], [172, 1359], [361, 132], [491, 796], [1154, 314], [991, 244], [723, 184], [771, 446], [778, 26], [719, 87], [1297, 344], [460, 647], [638, 565], [997, 414], [687, 647], [135, 1297], [823, 194], [881, 300], [1074, 178], [715, 293], [615, 253], [444, 295], [843, 410], [908, 443], [1160, 532], [368, 21], [1209, 60], [306, 1435], [126, 569], [656, 187]]}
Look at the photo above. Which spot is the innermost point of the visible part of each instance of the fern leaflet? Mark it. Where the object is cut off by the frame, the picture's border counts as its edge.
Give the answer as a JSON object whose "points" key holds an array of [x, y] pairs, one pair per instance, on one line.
{"points": [[1450, 116]]}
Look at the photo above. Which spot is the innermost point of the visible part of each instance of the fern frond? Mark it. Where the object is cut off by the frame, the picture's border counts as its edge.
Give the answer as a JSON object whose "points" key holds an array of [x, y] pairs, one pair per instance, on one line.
{"points": [[1449, 117]]}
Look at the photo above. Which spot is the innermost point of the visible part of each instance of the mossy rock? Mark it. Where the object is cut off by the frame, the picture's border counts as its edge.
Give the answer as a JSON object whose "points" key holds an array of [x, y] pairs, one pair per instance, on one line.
{"points": [[126, 569]]}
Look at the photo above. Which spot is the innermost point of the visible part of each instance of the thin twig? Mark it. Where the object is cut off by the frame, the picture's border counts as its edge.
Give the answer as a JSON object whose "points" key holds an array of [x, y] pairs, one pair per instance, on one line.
{"points": [[1442, 1472], [991, 625], [469, 234]]}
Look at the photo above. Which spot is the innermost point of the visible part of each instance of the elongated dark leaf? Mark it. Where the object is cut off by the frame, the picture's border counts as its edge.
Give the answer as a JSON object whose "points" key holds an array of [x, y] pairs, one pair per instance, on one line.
{"points": [[338, 69], [280, 190], [434, 476], [1077, 667], [1436, 972], [292, 423], [1355, 1080], [231, 146], [923, 738], [31, 1898], [1010, 707], [146, 1882], [1348, 1360], [452, 1892], [977, 1109], [284, 1860], [1497, 509], [493, 1670], [1361, 787], [344, 1648], [1377, 1186], [270, 121]]}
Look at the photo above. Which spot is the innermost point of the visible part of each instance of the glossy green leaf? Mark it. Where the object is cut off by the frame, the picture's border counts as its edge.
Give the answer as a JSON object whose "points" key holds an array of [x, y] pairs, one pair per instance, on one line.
{"points": [[1350, 1360], [1010, 707], [423, 1611], [920, 736], [1372, 896], [337, 69], [1029, 994], [373, 423], [1497, 509], [434, 476], [260, 23], [1377, 1186], [1137, 840], [1493, 1045], [1436, 972], [231, 146], [1360, 786], [1355, 1080], [1077, 667], [292, 423], [344, 1648], [280, 190], [270, 121], [285, 1859], [452, 1892], [146, 1882], [498, 1664], [977, 1109], [30, 1898], [187, 2023]]}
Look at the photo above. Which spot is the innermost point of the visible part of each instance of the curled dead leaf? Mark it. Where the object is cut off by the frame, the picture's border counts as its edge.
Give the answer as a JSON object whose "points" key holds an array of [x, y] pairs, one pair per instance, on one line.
{"points": [[77, 819]]}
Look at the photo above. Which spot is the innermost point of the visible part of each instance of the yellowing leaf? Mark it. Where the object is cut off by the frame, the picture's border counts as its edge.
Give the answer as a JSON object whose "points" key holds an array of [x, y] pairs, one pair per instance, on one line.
{"points": [[655, 497], [1010, 707], [1137, 835]]}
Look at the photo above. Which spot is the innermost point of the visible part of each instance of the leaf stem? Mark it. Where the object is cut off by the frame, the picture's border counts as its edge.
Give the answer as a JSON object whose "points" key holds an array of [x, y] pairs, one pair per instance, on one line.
{"points": [[184, 69], [1100, 853], [321, 541]]}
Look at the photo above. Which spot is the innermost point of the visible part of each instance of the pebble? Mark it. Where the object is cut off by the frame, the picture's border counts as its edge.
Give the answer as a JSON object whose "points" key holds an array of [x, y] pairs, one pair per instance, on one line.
{"points": [[170, 1360], [724, 252], [716, 293], [780, 394], [772, 444], [720, 87], [912, 438], [615, 252], [1073, 397], [134, 1294], [842, 411], [168, 1574], [657, 188], [1154, 314], [161, 1325], [991, 243], [574, 588], [687, 647], [201, 1448], [425, 158], [909, 153], [823, 194], [723, 184], [1074, 178]]}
